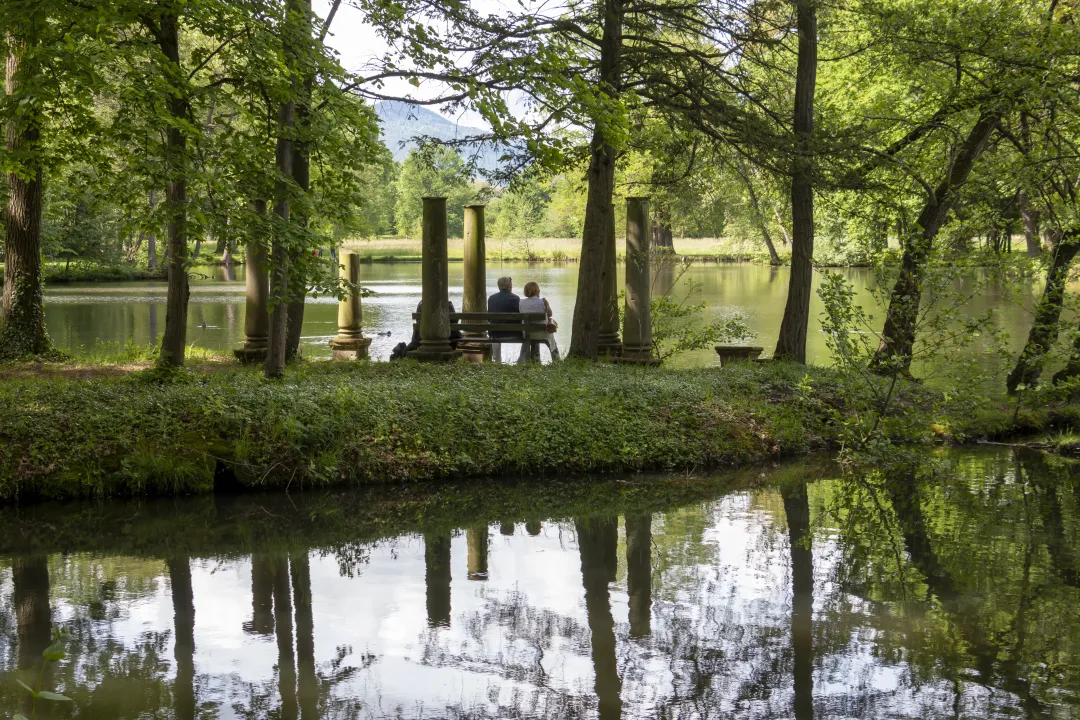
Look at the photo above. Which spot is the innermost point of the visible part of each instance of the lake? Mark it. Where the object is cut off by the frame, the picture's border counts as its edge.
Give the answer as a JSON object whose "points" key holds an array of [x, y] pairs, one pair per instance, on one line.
{"points": [[80, 316], [775, 592]]}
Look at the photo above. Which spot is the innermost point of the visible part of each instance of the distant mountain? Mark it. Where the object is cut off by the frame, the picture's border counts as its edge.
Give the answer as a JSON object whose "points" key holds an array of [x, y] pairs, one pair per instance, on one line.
{"points": [[403, 121]]}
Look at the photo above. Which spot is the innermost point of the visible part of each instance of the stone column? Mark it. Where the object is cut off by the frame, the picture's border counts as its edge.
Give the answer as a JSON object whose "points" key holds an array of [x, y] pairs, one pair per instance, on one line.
{"points": [[350, 343], [434, 313], [639, 573], [637, 317], [437, 579], [477, 540], [534, 527], [256, 313], [610, 345], [475, 281]]}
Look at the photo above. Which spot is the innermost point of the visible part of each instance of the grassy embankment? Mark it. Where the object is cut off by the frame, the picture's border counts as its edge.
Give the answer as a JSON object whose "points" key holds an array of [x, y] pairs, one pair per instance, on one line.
{"points": [[552, 249], [99, 433]]}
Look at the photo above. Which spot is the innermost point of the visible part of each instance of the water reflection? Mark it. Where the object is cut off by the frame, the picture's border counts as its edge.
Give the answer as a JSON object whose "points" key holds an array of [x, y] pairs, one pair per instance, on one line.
{"points": [[908, 597]]}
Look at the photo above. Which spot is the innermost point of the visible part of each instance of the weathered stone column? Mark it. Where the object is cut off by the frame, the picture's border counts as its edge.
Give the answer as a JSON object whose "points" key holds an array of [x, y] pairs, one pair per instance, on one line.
{"points": [[256, 312], [610, 345], [476, 539], [637, 316], [475, 282], [350, 343], [639, 573], [434, 312]]}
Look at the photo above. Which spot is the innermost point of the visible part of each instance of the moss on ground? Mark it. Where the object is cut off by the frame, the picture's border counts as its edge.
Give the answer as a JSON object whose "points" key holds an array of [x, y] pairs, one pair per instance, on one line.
{"points": [[363, 423]]}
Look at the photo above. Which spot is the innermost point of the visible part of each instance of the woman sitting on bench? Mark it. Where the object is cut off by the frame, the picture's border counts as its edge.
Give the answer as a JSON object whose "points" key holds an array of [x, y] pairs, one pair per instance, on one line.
{"points": [[533, 303]]}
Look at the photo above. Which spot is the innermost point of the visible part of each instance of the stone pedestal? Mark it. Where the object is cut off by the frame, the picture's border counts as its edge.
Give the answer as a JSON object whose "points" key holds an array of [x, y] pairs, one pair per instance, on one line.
{"points": [[474, 297], [256, 312], [350, 343], [610, 346], [434, 311], [637, 315]]}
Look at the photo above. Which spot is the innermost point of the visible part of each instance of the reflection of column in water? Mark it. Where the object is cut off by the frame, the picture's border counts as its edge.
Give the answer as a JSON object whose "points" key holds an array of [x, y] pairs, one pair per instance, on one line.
{"points": [[183, 601], [284, 628], [262, 595], [534, 527], [797, 508], [308, 684], [506, 528], [639, 573], [437, 579], [33, 619], [477, 540], [598, 545]]}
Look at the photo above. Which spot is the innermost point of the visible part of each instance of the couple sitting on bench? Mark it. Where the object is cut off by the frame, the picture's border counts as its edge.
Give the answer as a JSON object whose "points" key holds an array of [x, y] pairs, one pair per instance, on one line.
{"points": [[506, 301]]}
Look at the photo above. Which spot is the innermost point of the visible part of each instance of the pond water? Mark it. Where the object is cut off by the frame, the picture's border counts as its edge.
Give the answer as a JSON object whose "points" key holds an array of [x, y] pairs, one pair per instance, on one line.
{"points": [[764, 594], [81, 316]]}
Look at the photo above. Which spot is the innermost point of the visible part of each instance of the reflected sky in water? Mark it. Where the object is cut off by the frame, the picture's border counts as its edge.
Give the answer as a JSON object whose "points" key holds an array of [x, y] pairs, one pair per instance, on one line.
{"points": [[957, 597]]}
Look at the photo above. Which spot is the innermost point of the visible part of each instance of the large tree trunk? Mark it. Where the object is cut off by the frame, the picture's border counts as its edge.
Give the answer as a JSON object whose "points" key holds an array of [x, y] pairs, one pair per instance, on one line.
{"points": [[1044, 328], [585, 331], [301, 173], [791, 345], [183, 600], [33, 620], [279, 254], [174, 339], [22, 314], [898, 336]]}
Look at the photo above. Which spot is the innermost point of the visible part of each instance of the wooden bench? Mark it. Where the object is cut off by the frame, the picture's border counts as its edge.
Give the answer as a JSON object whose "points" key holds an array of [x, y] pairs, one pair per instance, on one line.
{"points": [[475, 326]]}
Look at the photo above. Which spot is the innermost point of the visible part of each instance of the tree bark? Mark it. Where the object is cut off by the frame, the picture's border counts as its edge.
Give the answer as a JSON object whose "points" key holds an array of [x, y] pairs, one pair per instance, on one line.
{"points": [[898, 336], [585, 330], [22, 313], [174, 339], [780, 222], [151, 242], [791, 345], [301, 173], [1030, 218], [1045, 326]]}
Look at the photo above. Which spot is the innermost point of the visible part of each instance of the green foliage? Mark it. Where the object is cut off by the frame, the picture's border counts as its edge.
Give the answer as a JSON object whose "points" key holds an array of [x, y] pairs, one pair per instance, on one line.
{"points": [[52, 654], [432, 172]]}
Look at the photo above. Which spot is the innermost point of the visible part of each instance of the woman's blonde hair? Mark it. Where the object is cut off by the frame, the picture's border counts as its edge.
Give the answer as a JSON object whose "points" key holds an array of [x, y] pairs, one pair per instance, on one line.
{"points": [[532, 289]]}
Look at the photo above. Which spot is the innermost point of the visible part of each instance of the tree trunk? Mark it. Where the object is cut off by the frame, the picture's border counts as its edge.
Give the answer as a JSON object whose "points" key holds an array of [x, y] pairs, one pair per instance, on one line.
{"points": [[1030, 218], [151, 242], [1044, 327], [183, 600], [791, 345], [755, 207], [174, 339], [283, 630], [585, 330], [898, 336], [308, 683], [22, 313], [33, 620], [301, 174], [783, 230], [277, 342]]}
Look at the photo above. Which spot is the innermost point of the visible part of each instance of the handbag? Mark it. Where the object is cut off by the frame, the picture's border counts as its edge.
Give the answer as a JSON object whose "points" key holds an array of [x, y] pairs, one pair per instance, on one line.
{"points": [[552, 326]]}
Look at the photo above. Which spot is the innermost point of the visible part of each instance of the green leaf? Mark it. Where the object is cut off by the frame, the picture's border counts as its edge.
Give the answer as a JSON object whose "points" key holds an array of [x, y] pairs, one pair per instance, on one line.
{"points": [[27, 688], [55, 652], [55, 697]]}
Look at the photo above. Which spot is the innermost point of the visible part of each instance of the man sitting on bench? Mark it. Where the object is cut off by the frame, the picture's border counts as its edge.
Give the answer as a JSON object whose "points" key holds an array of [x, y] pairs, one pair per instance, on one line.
{"points": [[455, 334], [504, 301]]}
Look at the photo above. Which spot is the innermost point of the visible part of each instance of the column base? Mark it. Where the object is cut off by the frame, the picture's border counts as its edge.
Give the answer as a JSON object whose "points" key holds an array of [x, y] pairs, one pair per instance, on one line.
{"points": [[475, 352], [609, 347], [438, 351], [250, 354], [636, 355], [350, 348]]}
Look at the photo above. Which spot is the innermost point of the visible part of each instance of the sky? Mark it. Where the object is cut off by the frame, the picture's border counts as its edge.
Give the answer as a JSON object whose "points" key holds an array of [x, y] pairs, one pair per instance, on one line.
{"points": [[357, 44]]}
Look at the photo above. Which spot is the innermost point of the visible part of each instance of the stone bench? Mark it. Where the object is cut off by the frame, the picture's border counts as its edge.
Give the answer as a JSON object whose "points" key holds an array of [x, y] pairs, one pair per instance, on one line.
{"points": [[730, 354], [475, 326]]}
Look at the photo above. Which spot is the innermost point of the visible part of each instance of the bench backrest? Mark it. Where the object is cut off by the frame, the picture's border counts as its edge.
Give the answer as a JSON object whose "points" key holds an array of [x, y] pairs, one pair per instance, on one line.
{"points": [[478, 322]]}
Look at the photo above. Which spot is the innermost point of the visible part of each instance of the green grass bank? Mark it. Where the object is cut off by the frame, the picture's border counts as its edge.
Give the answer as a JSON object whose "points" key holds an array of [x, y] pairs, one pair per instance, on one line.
{"points": [[108, 434]]}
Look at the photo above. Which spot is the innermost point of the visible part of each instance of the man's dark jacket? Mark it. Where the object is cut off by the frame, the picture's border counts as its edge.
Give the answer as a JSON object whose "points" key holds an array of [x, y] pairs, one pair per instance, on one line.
{"points": [[504, 301]]}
